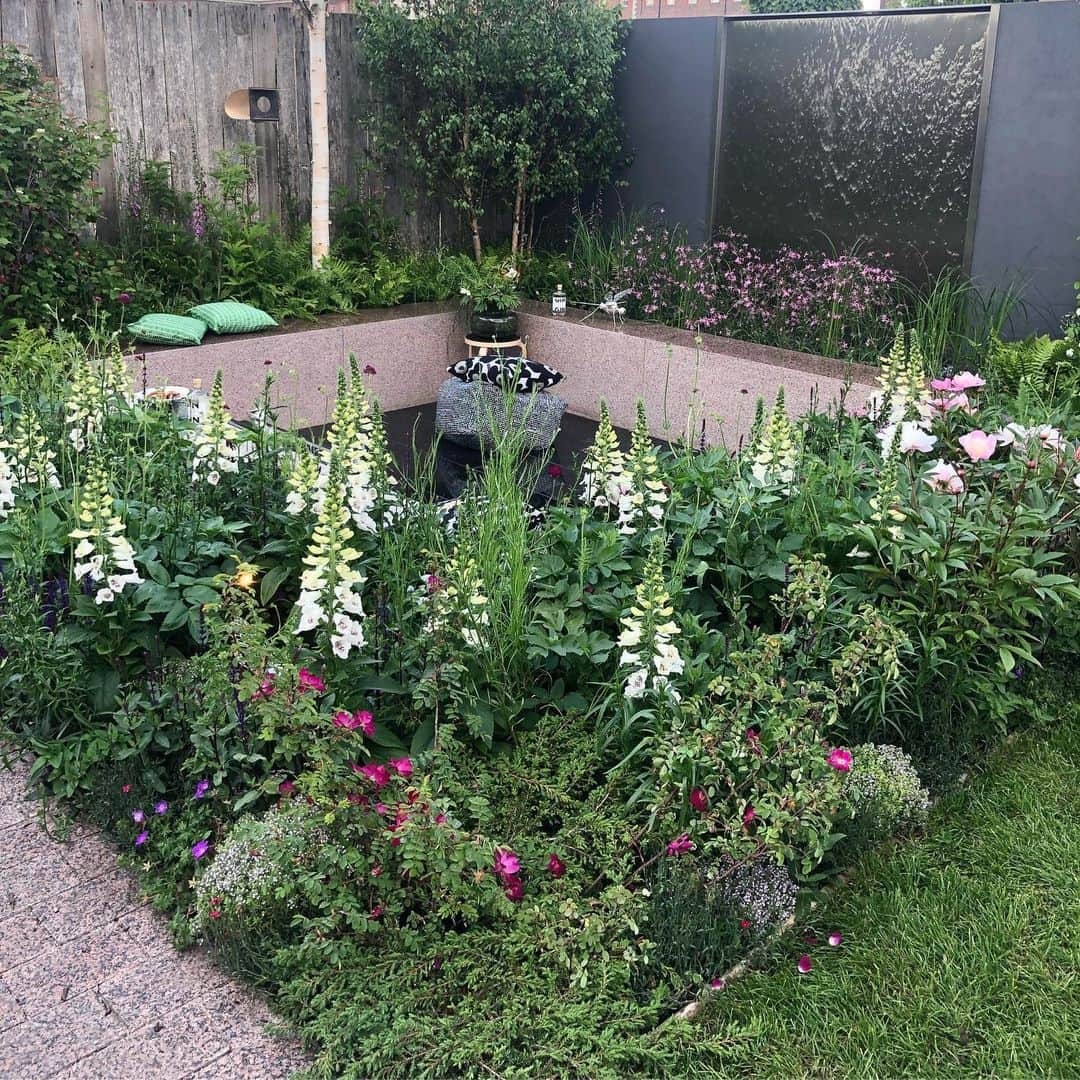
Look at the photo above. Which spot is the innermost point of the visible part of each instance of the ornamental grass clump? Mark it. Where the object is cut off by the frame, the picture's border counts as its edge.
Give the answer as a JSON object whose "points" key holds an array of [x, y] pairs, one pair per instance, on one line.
{"points": [[884, 796]]}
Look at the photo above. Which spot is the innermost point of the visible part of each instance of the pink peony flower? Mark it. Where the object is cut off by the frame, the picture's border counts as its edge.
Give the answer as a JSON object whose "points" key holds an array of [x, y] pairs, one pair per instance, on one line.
{"points": [[835, 939], [402, 766], [840, 759], [699, 800], [507, 864], [556, 867], [913, 437], [967, 381], [978, 445], [805, 964], [944, 384], [308, 681], [943, 477], [680, 845]]}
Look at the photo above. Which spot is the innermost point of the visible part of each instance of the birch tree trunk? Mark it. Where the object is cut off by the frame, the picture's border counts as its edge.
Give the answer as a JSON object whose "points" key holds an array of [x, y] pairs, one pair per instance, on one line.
{"points": [[320, 135]]}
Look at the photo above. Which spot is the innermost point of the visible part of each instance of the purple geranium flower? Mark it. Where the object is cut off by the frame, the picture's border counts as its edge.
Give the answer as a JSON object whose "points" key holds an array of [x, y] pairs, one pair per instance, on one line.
{"points": [[142, 838], [201, 788], [200, 849], [161, 807], [138, 817]]}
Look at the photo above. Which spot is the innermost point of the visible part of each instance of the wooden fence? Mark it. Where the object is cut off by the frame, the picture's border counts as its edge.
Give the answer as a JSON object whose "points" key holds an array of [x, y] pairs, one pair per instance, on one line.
{"points": [[158, 72]]}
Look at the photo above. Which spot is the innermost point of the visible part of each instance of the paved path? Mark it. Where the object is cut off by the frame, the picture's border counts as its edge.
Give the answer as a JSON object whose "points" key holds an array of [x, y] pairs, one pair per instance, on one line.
{"points": [[90, 986]]}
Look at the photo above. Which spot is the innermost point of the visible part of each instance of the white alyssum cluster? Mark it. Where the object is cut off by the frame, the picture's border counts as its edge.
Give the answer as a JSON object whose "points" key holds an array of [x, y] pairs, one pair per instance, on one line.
{"points": [[103, 554]]}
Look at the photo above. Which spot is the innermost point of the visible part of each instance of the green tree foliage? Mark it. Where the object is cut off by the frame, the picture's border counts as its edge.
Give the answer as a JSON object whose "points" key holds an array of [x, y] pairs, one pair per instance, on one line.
{"points": [[47, 162], [498, 103], [784, 7]]}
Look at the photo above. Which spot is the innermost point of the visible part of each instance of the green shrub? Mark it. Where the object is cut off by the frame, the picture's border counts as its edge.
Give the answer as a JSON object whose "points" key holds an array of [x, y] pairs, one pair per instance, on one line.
{"points": [[47, 162], [786, 7], [884, 795]]}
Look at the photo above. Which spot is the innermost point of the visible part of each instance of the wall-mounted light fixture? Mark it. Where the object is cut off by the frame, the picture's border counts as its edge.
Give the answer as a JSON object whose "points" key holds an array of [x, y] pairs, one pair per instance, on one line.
{"points": [[255, 103]]}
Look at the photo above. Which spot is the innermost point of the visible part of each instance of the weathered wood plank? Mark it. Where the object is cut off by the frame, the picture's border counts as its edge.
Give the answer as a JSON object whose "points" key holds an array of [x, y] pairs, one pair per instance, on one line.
{"points": [[181, 92], [150, 61], [125, 91], [266, 135], [15, 23], [235, 24], [96, 92], [68, 49], [294, 147], [207, 52]]}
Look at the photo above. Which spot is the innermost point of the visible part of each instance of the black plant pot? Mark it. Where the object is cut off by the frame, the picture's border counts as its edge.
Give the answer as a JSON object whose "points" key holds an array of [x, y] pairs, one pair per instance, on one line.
{"points": [[493, 326]]}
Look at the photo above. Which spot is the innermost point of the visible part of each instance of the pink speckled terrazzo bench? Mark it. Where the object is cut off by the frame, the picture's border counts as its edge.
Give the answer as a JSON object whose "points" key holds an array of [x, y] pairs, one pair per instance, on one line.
{"points": [[688, 382]]}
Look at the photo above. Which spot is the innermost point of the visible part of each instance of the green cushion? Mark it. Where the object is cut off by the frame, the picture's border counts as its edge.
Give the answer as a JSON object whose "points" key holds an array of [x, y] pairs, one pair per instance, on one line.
{"points": [[230, 317], [164, 329]]}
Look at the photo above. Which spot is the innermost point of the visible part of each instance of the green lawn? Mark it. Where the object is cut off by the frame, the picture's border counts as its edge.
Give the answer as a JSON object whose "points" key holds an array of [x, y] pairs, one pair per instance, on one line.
{"points": [[961, 952]]}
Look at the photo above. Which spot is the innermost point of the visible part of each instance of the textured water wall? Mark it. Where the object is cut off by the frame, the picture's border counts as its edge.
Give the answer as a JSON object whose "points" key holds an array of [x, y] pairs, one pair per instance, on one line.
{"points": [[836, 129]]}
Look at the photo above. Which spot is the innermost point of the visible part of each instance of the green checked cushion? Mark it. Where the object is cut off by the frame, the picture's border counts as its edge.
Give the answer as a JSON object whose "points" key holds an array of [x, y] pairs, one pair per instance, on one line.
{"points": [[161, 329], [230, 317]]}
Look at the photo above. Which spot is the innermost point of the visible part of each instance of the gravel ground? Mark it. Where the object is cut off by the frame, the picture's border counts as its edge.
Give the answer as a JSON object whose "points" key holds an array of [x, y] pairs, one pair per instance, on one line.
{"points": [[90, 986]]}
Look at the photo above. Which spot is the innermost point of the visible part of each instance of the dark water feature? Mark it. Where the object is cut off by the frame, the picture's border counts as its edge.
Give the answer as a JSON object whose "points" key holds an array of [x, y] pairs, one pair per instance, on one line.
{"points": [[411, 436], [837, 128]]}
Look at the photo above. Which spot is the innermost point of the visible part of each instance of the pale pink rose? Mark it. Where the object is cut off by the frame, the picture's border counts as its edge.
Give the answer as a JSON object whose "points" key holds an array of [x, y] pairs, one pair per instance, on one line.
{"points": [[978, 445]]}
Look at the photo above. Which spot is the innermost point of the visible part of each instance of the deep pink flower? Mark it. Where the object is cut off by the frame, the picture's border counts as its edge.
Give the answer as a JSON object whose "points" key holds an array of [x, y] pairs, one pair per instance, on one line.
{"points": [[507, 864], [201, 788], [555, 471], [141, 838], [805, 964], [717, 984], [699, 800], [286, 787], [402, 766], [840, 759], [376, 912], [513, 888], [680, 845], [369, 370], [753, 738], [379, 775], [126, 789], [835, 939], [348, 721], [309, 681], [748, 815], [376, 870], [124, 299], [266, 688], [745, 924], [556, 867], [198, 850], [978, 445]]}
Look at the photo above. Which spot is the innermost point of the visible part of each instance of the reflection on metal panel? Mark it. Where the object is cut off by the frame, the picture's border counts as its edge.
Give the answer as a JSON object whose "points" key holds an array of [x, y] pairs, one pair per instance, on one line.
{"points": [[846, 130]]}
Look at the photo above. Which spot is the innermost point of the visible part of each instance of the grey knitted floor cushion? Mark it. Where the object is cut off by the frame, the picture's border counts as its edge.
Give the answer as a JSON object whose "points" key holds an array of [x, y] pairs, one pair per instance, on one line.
{"points": [[475, 414]]}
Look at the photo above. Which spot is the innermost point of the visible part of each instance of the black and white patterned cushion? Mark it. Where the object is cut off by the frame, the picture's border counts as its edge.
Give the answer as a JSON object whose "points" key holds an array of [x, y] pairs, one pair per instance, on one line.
{"points": [[510, 372]]}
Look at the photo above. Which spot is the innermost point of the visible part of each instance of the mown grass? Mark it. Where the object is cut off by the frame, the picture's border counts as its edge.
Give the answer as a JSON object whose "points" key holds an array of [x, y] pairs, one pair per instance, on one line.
{"points": [[961, 952]]}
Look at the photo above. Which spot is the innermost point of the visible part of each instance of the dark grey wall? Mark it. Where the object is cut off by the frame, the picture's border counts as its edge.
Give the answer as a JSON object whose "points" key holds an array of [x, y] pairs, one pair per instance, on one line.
{"points": [[1028, 217], [668, 98]]}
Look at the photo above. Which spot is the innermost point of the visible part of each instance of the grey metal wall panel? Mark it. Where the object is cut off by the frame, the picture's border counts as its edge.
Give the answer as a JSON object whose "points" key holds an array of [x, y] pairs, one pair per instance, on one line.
{"points": [[1029, 198], [667, 94]]}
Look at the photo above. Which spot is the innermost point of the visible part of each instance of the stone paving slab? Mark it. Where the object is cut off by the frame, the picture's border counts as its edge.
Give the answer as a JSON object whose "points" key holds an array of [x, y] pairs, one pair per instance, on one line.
{"points": [[90, 986]]}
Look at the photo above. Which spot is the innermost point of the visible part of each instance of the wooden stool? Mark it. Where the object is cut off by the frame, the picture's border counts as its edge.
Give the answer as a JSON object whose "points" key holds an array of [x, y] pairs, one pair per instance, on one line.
{"points": [[496, 348]]}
